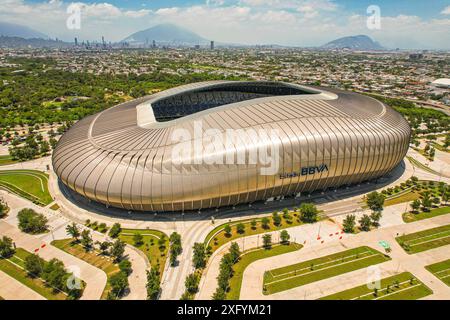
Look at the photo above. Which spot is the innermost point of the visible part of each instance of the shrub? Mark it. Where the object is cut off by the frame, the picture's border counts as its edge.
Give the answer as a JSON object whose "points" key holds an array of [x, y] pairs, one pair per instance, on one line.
{"points": [[32, 222]]}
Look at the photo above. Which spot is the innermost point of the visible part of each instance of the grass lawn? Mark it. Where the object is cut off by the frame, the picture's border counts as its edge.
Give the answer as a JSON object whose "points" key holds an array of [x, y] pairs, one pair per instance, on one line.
{"points": [[416, 163], [92, 257], [54, 207], [29, 184], [302, 273], [252, 256], [411, 217], [403, 286], [217, 237], [14, 267], [6, 159], [406, 196], [441, 270], [425, 240], [149, 246]]}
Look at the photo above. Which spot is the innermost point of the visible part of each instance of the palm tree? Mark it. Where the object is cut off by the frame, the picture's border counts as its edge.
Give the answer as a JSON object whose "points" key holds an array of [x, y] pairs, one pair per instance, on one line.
{"points": [[73, 231]]}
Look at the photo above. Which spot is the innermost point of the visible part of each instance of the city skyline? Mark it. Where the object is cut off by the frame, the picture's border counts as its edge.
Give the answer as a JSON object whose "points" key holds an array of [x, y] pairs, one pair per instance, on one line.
{"points": [[304, 23]]}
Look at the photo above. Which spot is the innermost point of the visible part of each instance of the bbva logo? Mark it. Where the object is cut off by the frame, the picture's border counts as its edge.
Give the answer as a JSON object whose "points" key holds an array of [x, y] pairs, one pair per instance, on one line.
{"points": [[305, 171]]}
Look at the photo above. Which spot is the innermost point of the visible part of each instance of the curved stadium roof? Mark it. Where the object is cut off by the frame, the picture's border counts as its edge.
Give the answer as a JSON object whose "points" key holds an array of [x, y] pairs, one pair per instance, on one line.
{"points": [[123, 156]]}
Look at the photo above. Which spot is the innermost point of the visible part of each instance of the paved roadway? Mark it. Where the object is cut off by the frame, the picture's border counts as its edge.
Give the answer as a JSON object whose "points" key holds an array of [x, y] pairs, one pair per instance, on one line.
{"points": [[401, 261]]}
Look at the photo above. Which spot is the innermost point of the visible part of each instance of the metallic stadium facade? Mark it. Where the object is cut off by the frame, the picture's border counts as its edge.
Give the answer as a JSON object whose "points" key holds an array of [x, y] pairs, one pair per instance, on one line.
{"points": [[124, 156]]}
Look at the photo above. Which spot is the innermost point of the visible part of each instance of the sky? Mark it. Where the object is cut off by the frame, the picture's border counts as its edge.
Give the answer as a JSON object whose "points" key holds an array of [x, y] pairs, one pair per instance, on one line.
{"points": [[420, 24]]}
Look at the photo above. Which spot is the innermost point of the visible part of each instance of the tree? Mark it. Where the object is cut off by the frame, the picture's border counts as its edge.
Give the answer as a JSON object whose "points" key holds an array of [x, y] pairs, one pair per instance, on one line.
{"points": [[53, 142], [55, 274], [162, 243], [348, 224], [415, 205], [375, 216], [284, 236], [117, 250], [365, 222], [436, 201], [6, 247], [276, 218], [445, 196], [240, 228], [265, 223], [426, 202], [191, 283], [267, 241], [153, 284], [44, 147], [253, 224], [32, 222], [34, 265], [175, 247], [86, 239], [104, 246], [73, 231], [125, 266], [227, 230], [199, 256], [219, 294], [375, 201], [115, 230], [234, 251], [3, 208], [138, 239], [119, 283], [308, 212]]}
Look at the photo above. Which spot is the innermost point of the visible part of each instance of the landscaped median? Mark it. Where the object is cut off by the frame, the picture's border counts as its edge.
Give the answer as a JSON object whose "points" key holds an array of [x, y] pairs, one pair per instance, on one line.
{"points": [[153, 243], [441, 270], [15, 267], [29, 184], [411, 217], [425, 240], [251, 256], [92, 257], [243, 228], [292, 276], [403, 286]]}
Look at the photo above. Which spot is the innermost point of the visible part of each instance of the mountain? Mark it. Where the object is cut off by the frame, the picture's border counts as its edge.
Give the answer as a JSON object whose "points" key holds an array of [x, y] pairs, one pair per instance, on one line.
{"points": [[17, 42], [166, 34], [360, 42], [15, 30]]}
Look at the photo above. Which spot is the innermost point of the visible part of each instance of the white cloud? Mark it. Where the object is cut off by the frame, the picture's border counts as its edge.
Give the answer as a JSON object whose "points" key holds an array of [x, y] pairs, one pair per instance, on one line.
{"points": [[289, 22], [446, 10]]}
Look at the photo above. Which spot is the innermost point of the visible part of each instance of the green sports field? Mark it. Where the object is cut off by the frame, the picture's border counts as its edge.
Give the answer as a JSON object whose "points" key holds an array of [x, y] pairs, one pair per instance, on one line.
{"points": [[425, 240], [403, 286], [302, 273], [441, 270]]}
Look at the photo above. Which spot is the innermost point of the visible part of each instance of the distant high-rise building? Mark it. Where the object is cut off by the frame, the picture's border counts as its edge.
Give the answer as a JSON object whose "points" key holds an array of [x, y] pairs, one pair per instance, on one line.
{"points": [[197, 46], [76, 42], [154, 44], [212, 45]]}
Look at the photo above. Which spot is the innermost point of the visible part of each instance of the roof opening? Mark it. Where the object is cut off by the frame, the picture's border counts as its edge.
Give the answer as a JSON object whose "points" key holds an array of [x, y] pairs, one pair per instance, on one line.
{"points": [[196, 100]]}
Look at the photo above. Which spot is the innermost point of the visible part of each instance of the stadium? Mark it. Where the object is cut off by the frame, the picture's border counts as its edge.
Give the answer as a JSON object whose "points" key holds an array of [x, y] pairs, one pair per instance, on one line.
{"points": [[318, 138]]}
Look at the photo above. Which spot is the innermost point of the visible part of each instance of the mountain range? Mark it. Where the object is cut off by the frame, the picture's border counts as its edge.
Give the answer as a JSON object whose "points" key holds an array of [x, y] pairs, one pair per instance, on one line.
{"points": [[13, 35], [166, 34], [15, 30], [359, 42]]}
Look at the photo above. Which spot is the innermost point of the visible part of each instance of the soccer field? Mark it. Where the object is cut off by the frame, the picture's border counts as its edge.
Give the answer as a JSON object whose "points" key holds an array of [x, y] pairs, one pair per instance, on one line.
{"points": [[441, 270], [425, 240], [403, 286], [299, 274]]}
